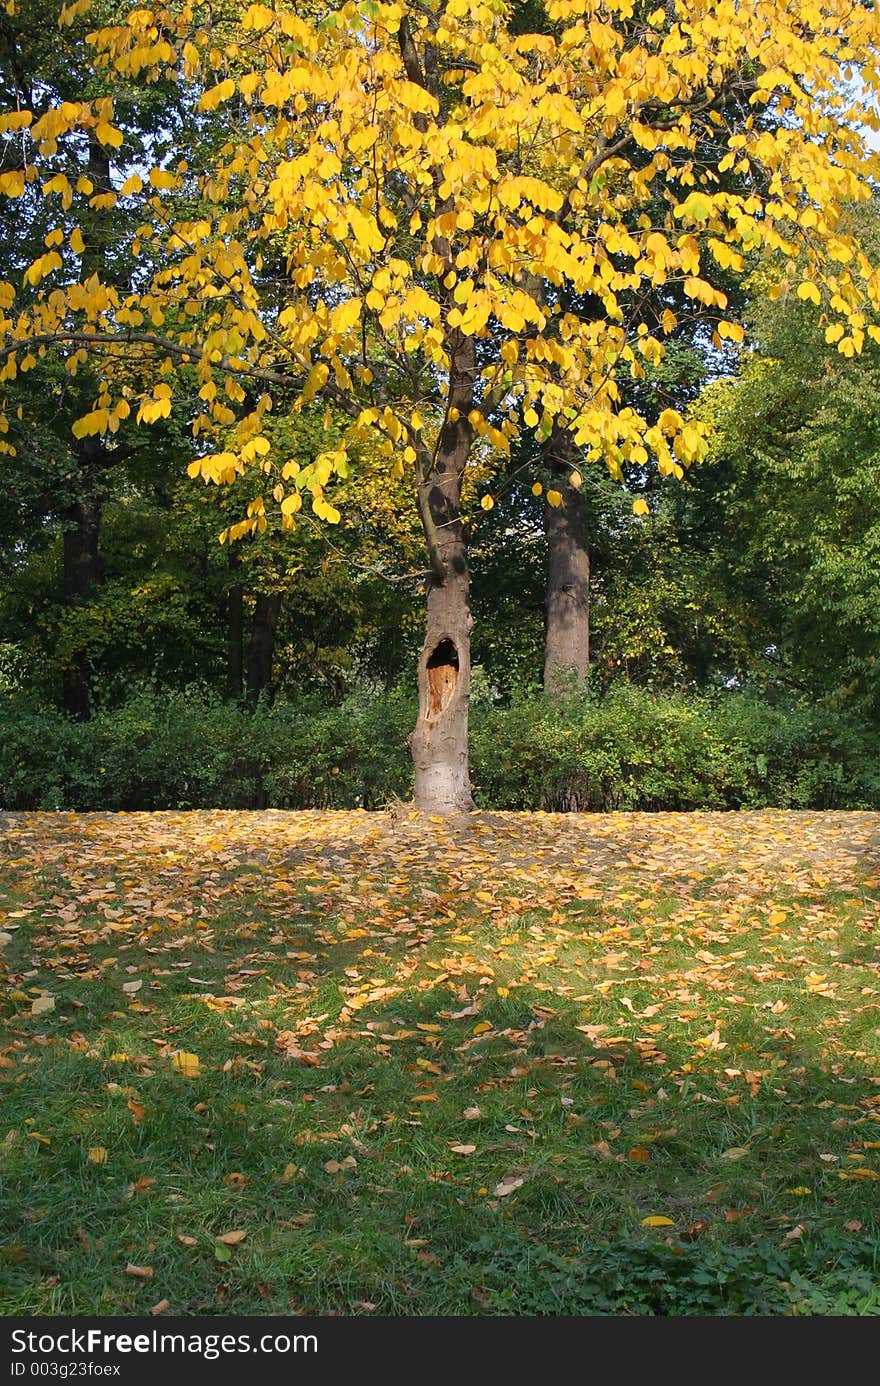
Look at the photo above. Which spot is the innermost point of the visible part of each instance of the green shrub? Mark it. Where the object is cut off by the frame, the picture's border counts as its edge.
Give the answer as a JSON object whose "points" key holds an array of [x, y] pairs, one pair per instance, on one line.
{"points": [[628, 750]]}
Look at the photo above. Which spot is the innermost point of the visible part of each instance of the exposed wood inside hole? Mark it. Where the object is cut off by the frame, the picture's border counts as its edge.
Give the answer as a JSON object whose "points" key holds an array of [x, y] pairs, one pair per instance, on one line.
{"points": [[442, 670]]}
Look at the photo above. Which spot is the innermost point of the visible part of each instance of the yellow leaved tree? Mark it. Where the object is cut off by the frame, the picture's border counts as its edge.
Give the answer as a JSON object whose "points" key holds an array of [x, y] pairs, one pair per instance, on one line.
{"points": [[395, 208]]}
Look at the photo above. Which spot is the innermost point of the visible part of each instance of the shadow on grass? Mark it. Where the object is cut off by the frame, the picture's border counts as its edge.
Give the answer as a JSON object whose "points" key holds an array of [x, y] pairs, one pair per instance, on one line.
{"points": [[343, 1169]]}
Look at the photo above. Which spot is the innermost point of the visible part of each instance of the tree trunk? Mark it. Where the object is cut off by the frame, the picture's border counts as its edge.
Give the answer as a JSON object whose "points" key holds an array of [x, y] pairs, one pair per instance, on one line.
{"points": [[262, 645], [439, 742], [81, 573], [235, 642], [567, 629]]}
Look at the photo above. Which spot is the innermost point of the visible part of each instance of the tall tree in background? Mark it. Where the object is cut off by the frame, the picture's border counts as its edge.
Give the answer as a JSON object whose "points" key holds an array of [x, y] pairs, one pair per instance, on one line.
{"points": [[371, 191]]}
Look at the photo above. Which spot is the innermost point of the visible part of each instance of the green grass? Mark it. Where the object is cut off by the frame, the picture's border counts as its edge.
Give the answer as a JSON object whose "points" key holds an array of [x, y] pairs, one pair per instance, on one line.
{"points": [[365, 992]]}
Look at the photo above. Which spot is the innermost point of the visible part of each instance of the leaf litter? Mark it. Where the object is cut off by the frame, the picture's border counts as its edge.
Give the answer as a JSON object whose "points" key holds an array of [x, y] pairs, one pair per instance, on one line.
{"points": [[557, 984]]}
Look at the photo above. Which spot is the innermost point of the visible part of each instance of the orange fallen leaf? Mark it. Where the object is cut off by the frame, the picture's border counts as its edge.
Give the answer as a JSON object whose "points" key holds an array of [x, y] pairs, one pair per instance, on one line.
{"points": [[139, 1272], [231, 1238], [140, 1185]]}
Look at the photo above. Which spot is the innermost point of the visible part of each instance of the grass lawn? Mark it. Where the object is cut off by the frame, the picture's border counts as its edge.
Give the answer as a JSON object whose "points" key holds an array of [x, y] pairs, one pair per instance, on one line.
{"points": [[262, 1063]]}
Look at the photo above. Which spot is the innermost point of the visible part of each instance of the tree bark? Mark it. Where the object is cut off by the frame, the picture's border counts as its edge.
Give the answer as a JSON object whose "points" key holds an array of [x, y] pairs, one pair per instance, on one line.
{"points": [[567, 627], [81, 574], [439, 742], [261, 648]]}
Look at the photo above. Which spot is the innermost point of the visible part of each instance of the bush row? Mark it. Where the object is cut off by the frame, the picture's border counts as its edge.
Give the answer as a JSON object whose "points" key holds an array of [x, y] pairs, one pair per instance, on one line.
{"points": [[627, 750]]}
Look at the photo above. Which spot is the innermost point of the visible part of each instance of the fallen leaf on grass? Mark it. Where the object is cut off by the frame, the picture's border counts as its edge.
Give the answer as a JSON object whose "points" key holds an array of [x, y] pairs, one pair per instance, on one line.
{"points": [[97, 1155], [508, 1185], [42, 1004], [657, 1220], [161, 1307], [736, 1152], [140, 1185], [139, 1272], [231, 1238], [337, 1166], [462, 1149], [187, 1064]]}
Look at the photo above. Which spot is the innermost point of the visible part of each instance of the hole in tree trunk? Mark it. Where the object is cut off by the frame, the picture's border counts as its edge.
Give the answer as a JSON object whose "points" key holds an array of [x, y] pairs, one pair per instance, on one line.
{"points": [[442, 669]]}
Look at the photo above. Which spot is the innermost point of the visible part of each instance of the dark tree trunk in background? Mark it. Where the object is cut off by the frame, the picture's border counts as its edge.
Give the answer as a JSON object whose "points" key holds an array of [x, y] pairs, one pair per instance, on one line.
{"points": [[567, 628], [262, 645], [81, 574], [235, 642], [82, 569]]}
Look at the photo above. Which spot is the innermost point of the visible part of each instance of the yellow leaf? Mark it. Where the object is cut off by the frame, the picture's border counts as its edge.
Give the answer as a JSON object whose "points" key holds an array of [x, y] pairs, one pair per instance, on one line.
{"points": [[97, 1155], [161, 179], [487, 503], [482, 1028], [187, 1064], [657, 1220], [345, 315], [554, 499], [809, 291], [108, 135], [12, 184], [640, 506], [231, 1238], [42, 1004]]}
